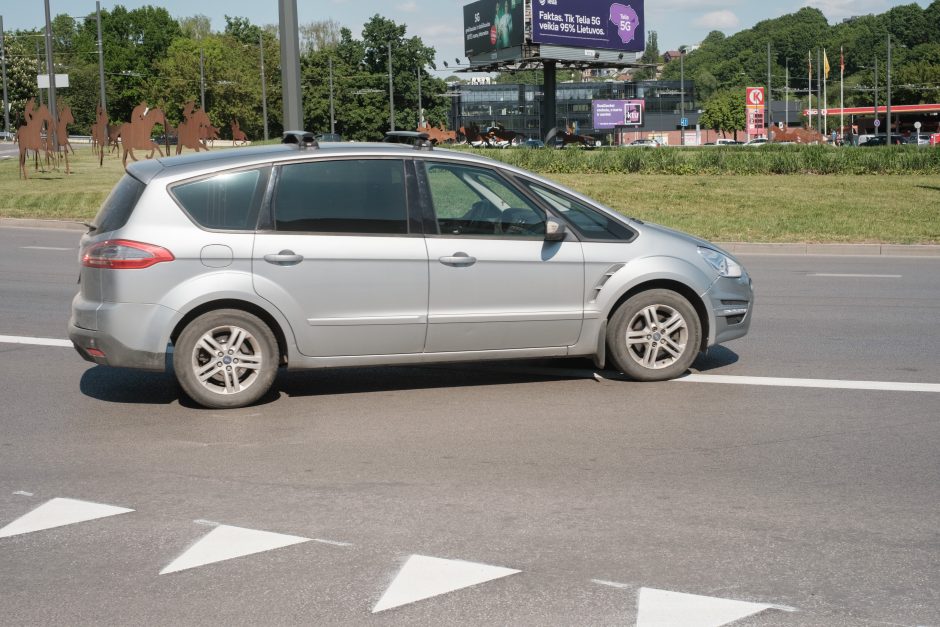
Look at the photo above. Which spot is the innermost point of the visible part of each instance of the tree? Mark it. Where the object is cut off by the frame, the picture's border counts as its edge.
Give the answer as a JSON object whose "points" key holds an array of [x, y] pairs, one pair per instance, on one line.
{"points": [[650, 57], [725, 111], [320, 35]]}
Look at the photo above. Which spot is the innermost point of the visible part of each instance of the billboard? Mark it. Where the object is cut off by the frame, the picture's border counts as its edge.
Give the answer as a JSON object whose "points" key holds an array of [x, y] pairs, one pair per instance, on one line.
{"points": [[491, 25], [590, 24], [610, 114]]}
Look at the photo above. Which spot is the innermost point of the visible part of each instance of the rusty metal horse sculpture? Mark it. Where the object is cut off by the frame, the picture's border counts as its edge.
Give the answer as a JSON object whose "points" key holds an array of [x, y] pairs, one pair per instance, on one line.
{"points": [[29, 136]]}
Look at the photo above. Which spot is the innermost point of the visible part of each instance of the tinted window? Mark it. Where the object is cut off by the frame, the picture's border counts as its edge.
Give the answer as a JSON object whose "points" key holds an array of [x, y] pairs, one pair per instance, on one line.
{"points": [[119, 204], [475, 201], [226, 201], [589, 222], [344, 196]]}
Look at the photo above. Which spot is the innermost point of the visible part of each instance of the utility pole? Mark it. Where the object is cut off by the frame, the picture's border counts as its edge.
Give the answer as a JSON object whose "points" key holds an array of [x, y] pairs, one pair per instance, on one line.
{"points": [[391, 91], [50, 67], [38, 71], [332, 110], [6, 102], [101, 96], [264, 88], [888, 100], [290, 65]]}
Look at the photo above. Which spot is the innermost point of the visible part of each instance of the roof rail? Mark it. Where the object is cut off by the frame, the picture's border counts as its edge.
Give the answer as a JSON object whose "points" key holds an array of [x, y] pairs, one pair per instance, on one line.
{"points": [[303, 139], [420, 141]]}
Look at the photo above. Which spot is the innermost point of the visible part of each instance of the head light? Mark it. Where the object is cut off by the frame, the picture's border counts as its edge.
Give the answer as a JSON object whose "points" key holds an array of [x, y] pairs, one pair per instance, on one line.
{"points": [[725, 265]]}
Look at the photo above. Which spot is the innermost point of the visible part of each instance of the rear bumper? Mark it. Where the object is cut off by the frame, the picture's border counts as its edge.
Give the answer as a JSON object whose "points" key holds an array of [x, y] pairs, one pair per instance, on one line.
{"points": [[129, 335]]}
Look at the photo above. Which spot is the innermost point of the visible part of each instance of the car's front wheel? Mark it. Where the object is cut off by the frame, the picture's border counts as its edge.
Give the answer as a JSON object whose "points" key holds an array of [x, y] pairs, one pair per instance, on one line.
{"points": [[225, 359], [654, 335]]}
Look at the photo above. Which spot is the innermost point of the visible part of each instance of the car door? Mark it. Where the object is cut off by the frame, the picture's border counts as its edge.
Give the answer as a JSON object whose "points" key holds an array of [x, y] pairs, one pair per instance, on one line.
{"points": [[340, 259], [496, 283]]}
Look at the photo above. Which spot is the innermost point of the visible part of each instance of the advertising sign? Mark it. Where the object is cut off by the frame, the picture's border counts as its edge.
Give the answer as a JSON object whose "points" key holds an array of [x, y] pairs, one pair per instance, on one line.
{"points": [[590, 24], [610, 114], [490, 25], [754, 105]]}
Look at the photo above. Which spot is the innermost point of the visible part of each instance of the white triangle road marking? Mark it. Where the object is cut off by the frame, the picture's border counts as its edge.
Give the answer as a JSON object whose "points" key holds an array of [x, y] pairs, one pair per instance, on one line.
{"points": [[662, 608], [226, 542], [424, 577], [59, 512]]}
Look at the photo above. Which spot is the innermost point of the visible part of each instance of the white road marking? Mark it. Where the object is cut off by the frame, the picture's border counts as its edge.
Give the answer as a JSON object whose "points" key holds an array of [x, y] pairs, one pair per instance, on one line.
{"points": [[57, 513], [22, 493], [35, 341], [424, 577], [225, 543], [331, 542], [856, 276], [833, 384], [658, 608], [612, 584], [44, 248]]}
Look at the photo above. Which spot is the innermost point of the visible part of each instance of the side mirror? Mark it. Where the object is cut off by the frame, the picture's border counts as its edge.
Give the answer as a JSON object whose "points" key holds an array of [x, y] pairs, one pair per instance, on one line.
{"points": [[555, 231]]}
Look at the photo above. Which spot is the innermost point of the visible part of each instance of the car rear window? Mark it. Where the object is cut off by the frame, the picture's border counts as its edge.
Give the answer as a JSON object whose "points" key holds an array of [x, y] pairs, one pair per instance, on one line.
{"points": [[227, 201], [119, 204]]}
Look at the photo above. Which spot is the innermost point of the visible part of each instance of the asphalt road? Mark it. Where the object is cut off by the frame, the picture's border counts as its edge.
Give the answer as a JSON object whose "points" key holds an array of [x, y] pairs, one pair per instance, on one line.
{"points": [[816, 505]]}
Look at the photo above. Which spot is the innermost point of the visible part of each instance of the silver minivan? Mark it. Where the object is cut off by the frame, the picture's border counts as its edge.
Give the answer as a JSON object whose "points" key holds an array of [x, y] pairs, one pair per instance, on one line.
{"points": [[238, 263]]}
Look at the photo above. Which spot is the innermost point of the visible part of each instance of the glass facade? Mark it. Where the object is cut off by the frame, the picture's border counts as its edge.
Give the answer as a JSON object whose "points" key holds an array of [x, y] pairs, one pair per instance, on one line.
{"points": [[519, 107]]}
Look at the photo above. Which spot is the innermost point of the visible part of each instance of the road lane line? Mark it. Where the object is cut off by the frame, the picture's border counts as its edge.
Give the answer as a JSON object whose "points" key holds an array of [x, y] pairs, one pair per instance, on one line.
{"points": [[35, 341], [833, 384], [856, 276]]}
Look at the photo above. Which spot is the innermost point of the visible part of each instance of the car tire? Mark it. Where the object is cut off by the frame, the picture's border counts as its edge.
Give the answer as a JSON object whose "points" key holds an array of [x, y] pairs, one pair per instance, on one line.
{"points": [[240, 367], [654, 336]]}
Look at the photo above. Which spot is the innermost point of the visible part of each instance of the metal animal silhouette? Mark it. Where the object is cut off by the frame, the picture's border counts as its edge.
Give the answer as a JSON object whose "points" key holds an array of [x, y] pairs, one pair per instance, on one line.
{"points": [[135, 135], [29, 135], [194, 130], [238, 135]]}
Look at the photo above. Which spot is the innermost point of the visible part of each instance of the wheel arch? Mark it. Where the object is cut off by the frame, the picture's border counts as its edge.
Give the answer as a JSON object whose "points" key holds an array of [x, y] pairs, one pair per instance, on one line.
{"points": [[248, 307], [675, 286]]}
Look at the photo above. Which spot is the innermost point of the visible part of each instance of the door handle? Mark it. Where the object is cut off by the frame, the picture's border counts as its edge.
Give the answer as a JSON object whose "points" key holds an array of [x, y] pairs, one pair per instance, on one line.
{"points": [[459, 260], [284, 258]]}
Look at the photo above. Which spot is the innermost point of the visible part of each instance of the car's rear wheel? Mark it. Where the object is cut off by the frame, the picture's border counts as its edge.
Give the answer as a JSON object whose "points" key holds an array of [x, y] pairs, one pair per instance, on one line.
{"points": [[654, 336], [226, 358]]}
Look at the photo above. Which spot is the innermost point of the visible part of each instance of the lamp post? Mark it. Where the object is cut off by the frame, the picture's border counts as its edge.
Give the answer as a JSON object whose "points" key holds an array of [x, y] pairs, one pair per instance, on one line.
{"points": [[290, 65], [264, 88], [682, 92], [332, 109], [50, 67], [102, 96], [3, 62], [888, 101], [391, 91]]}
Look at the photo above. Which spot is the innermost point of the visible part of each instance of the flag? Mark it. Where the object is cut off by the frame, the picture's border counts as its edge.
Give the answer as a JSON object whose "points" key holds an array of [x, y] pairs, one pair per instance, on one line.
{"points": [[809, 55], [826, 67], [842, 60]]}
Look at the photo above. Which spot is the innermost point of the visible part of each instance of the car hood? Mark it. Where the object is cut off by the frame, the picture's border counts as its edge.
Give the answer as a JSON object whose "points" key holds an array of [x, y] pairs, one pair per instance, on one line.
{"points": [[665, 231]]}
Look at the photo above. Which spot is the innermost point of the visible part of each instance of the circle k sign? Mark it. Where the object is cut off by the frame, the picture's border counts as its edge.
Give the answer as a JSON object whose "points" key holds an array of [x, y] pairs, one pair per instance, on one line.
{"points": [[755, 96]]}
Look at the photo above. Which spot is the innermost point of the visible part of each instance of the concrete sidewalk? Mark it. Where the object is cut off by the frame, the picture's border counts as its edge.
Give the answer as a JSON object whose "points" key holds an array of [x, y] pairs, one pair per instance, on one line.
{"points": [[738, 248]]}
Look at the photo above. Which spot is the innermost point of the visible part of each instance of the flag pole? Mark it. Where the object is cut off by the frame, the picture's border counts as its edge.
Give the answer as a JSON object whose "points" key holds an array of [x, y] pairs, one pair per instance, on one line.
{"points": [[825, 93], [809, 55], [842, 90]]}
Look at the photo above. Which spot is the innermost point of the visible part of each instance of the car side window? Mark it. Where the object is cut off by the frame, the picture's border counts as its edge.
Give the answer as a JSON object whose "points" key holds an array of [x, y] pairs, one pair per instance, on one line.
{"points": [[342, 196], [227, 201], [471, 201], [589, 222]]}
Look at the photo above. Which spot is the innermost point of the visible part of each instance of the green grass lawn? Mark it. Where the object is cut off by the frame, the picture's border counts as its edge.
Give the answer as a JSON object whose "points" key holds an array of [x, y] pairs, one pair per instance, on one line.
{"points": [[793, 208]]}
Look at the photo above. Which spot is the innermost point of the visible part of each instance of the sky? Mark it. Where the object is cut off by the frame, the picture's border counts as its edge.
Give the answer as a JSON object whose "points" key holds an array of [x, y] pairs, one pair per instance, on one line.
{"points": [[439, 22]]}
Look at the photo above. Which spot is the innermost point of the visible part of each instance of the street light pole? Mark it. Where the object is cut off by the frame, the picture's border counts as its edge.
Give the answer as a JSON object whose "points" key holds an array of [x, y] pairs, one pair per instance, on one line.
{"points": [[391, 91], [682, 92], [420, 110], [876, 94], [769, 99], [290, 65], [6, 102], [888, 101], [202, 77], [332, 110], [264, 88], [50, 67], [102, 96]]}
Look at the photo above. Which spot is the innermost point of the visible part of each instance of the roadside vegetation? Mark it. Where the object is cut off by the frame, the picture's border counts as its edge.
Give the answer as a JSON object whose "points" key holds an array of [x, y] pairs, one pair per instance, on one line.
{"points": [[724, 205]]}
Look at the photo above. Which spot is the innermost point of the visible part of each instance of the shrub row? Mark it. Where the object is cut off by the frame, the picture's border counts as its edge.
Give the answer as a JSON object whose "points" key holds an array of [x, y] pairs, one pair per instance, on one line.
{"points": [[738, 160]]}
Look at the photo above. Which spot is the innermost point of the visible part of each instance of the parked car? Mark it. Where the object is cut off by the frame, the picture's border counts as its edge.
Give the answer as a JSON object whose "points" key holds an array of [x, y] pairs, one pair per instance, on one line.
{"points": [[645, 143], [533, 143], [757, 141], [164, 140], [304, 256], [329, 137]]}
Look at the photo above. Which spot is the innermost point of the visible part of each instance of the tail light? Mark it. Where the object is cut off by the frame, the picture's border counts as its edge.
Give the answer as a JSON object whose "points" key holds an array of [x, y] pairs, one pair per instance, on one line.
{"points": [[122, 254]]}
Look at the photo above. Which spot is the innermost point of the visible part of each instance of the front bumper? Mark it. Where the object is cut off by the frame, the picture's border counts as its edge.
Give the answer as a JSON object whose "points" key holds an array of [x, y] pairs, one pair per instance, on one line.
{"points": [[732, 303]]}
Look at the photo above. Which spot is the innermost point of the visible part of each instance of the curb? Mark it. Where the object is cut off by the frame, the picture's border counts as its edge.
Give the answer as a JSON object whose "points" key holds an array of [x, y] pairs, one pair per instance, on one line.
{"points": [[741, 248], [845, 250]]}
